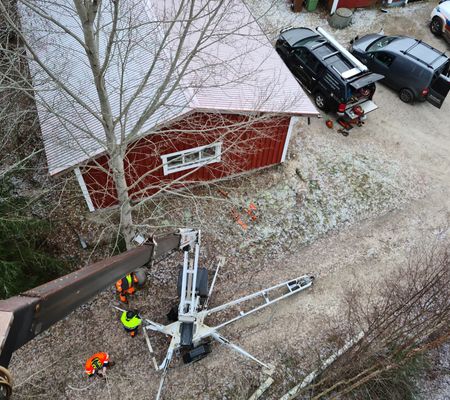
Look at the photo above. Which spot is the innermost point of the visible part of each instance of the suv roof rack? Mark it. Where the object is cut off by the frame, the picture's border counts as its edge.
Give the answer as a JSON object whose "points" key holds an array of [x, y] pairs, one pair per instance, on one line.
{"points": [[437, 58], [330, 55], [320, 44], [359, 67]]}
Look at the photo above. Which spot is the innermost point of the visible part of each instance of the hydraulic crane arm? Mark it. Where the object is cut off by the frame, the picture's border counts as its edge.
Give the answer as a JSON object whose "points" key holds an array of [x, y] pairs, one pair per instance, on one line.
{"points": [[25, 316]]}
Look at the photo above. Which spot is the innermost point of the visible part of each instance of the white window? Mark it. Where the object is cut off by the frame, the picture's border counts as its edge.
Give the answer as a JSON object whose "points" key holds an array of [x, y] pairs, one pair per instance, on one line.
{"points": [[192, 158]]}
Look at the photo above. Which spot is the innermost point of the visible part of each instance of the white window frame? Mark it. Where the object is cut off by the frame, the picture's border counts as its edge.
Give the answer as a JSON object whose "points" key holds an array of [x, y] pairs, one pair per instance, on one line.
{"points": [[167, 169]]}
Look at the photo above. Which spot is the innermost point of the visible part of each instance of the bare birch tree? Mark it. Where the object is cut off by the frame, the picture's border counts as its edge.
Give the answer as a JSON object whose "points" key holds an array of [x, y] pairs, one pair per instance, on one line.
{"points": [[107, 72], [404, 317]]}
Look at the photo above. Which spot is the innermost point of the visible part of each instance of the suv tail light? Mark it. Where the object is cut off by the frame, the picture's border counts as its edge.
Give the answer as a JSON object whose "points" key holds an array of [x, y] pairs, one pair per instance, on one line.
{"points": [[424, 92], [342, 107]]}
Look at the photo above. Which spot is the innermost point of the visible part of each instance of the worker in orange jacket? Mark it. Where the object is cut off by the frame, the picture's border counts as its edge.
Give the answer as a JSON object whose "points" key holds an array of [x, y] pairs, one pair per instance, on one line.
{"points": [[97, 364], [125, 286]]}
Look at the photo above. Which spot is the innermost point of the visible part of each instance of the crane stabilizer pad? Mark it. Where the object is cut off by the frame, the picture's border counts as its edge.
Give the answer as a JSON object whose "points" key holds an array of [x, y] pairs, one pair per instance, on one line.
{"points": [[186, 333], [197, 353]]}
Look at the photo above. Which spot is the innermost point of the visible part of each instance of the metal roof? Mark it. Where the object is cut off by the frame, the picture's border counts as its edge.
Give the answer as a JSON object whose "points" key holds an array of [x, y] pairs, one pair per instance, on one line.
{"points": [[237, 71]]}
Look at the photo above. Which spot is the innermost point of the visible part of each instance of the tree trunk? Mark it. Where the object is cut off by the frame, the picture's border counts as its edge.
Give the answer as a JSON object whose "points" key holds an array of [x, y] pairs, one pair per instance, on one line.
{"points": [[87, 13], [126, 218]]}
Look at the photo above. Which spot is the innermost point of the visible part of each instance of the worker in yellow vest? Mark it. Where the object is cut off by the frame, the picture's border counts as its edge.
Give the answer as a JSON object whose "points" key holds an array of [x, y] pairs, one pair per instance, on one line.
{"points": [[131, 321]]}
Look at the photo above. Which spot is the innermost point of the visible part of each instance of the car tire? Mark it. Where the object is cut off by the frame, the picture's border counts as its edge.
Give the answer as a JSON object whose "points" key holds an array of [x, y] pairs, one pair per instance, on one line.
{"points": [[406, 95], [320, 101], [436, 26]]}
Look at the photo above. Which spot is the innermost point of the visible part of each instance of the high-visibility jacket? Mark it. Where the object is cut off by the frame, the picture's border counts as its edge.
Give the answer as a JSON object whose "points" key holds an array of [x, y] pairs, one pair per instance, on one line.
{"points": [[130, 323], [96, 362], [126, 282]]}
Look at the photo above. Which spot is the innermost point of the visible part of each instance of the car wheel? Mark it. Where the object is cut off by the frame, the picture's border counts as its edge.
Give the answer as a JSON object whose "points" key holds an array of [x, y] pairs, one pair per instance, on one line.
{"points": [[320, 101], [406, 95], [436, 26]]}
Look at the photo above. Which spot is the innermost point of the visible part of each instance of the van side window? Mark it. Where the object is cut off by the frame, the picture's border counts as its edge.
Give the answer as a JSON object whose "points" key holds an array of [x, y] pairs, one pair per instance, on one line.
{"points": [[384, 58]]}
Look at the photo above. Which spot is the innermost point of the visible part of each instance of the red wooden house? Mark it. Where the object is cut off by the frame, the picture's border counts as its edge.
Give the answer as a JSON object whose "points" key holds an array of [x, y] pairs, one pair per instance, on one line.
{"points": [[239, 119], [173, 159]]}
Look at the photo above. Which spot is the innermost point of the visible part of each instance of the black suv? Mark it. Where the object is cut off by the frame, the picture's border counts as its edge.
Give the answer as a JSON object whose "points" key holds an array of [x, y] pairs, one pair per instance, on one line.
{"points": [[336, 79]]}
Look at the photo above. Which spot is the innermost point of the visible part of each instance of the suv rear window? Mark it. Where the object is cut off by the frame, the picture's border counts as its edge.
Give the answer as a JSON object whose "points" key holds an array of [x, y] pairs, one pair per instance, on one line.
{"points": [[380, 43]]}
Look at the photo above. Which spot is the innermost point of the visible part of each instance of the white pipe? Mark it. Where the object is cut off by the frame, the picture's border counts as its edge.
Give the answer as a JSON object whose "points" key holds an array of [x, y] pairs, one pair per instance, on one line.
{"points": [[350, 57], [334, 6]]}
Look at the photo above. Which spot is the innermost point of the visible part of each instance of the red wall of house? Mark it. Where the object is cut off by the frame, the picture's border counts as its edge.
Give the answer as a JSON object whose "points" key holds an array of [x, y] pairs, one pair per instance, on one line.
{"points": [[353, 3], [246, 145]]}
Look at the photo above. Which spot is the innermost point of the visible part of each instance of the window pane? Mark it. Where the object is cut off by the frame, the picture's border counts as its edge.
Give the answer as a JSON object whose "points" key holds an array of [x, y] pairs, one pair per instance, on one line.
{"points": [[173, 161], [191, 157], [209, 152]]}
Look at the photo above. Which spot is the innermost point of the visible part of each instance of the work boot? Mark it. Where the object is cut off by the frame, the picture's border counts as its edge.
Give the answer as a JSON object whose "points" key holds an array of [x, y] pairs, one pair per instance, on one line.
{"points": [[133, 333], [123, 299]]}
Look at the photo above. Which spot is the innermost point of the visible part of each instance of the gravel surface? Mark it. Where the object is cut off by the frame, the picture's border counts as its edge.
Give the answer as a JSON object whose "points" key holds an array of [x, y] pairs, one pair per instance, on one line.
{"points": [[346, 209]]}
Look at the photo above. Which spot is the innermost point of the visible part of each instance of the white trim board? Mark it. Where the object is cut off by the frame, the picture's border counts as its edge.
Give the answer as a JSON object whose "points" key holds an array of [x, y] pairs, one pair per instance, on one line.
{"points": [[84, 189], [292, 122]]}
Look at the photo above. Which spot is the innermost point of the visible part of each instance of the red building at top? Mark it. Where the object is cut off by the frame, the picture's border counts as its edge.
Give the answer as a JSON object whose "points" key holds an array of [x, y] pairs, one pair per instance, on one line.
{"points": [[198, 99]]}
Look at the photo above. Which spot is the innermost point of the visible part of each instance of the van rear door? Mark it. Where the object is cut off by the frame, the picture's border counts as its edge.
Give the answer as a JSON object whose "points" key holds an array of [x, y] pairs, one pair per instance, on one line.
{"points": [[440, 86]]}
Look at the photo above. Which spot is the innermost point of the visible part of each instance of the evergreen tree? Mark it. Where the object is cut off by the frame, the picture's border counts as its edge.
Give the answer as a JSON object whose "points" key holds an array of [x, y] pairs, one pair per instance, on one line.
{"points": [[25, 260]]}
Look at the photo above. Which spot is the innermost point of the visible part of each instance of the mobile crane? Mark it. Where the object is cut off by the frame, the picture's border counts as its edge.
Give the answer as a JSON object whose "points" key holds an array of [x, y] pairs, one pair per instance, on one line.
{"points": [[25, 316]]}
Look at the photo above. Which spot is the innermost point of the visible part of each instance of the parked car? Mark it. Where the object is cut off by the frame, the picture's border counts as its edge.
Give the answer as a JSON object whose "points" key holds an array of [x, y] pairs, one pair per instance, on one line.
{"points": [[440, 20], [337, 81], [413, 68]]}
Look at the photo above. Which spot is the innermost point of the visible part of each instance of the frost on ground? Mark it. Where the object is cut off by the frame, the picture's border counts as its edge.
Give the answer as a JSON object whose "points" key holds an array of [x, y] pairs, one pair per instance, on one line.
{"points": [[325, 183], [437, 379], [332, 184]]}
